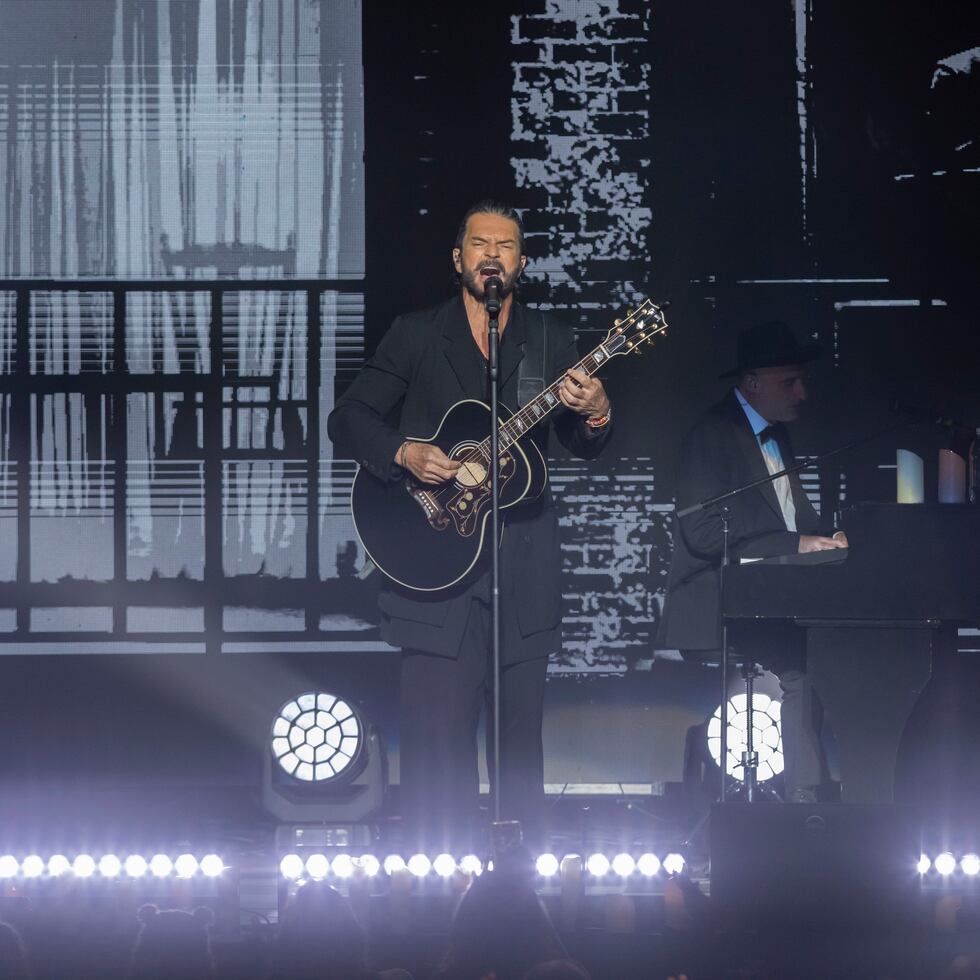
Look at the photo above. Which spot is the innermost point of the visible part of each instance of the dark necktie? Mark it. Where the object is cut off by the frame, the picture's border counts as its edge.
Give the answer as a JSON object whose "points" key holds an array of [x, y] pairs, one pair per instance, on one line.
{"points": [[769, 432]]}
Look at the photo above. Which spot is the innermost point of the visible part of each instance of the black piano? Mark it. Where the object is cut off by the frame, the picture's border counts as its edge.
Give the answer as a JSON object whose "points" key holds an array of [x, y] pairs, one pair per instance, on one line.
{"points": [[873, 616]]}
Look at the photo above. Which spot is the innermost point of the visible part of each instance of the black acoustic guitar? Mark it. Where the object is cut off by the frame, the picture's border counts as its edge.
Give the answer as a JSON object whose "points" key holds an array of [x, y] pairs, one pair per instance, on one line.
{"points": [[427, 537]]}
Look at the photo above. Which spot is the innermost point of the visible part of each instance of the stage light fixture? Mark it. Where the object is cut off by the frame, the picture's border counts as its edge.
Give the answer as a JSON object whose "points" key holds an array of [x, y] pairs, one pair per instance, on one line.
{"points": [[32, 866], [317, 866], [623, 865], [945, 863], [369, 864], [924, 864], [471, 865], [291, 866], [674, 864], [58, 865], [419, 865], [970, 864], [135, 866], [324, 764], [161, 865], [109, 866], [83, 866], [597, 865], [212, 866], [185, 865], [766, 735], [342, 866], [316, 736], [648, 865], [394, 863], [547, 865], [444, 865], [9, 866]]}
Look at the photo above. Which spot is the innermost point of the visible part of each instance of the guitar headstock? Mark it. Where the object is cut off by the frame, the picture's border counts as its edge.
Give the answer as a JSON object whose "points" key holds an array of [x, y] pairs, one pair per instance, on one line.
{"points": [[638, 327]]}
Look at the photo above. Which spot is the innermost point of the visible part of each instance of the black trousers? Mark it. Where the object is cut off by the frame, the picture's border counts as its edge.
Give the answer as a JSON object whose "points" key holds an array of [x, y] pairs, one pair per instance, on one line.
{"points": [[442, 699]]}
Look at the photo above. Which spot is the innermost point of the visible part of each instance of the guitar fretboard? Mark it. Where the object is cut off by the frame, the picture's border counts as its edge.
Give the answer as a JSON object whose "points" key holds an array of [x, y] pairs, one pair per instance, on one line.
{"points": [[646, 318]]}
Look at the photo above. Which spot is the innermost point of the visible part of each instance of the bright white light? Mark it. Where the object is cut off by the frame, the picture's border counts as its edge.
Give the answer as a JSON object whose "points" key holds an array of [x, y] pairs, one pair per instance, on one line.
{"points": [[673, 864], [135, 866], [317, 866], [547, 865], [394, 863], [597, 865], [160, 865], [369, 864], [648, 865], [109, 866], [316, 737], [945, 863], [212, 866], [58, 865], [924, 864], [9, 866], [185, 865], [623, 865], [419, 865], [32, 866], [970, 864], [342, 866], [291, 866], [444, 865], [471, 865], [767, 737], [83, 866]]}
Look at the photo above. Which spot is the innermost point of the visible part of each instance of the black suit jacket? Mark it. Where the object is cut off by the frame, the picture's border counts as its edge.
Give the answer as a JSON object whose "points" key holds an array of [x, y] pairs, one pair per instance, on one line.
{"points": [[719, 453], [425, 363]]}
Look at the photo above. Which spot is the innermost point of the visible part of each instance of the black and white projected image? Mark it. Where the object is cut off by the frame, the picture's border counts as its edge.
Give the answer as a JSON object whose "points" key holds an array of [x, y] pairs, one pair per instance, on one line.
{"points": [[166, 479]]}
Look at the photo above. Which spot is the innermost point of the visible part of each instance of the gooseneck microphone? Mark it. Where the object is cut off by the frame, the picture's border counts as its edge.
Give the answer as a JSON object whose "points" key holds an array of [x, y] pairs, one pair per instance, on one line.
{"points": [[491, 294]]}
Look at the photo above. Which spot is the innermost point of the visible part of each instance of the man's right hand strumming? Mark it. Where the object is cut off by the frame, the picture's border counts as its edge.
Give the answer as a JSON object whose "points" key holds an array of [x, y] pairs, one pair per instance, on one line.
{"points": [[426, 462]]}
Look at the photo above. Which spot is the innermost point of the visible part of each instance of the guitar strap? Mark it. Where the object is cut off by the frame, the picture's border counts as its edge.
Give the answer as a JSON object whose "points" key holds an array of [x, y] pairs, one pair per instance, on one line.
{"points": [[530, 373]]}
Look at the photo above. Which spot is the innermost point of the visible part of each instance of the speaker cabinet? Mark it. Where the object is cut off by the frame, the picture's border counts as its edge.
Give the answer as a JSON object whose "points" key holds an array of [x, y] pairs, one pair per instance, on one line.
{"points": [[813, 866]]}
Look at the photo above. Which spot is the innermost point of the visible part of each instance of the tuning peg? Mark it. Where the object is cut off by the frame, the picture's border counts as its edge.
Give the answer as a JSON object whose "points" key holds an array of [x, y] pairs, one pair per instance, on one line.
{"points": [[616, 323]]}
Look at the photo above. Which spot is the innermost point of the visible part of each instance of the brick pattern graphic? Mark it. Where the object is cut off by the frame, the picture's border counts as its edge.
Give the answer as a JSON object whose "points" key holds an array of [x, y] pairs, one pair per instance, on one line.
{"points": [[581, 143], [581, 131]]}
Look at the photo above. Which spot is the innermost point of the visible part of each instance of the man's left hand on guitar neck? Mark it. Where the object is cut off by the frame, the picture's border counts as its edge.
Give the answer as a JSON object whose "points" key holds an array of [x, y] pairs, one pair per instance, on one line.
{"points": [[585, 395]]}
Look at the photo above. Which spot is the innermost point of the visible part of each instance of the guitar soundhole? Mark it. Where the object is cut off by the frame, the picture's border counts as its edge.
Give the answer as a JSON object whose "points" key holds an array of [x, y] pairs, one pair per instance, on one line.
{"points": [[473, 472]]}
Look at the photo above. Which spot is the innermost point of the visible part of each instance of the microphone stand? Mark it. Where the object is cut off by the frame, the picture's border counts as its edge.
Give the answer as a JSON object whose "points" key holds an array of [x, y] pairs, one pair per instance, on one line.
{"points": [[493, 304], [719, 502]]}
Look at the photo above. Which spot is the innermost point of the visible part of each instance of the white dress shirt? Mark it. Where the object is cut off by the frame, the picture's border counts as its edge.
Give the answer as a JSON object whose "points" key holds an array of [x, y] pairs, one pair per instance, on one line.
{"points": [[774, 462]]}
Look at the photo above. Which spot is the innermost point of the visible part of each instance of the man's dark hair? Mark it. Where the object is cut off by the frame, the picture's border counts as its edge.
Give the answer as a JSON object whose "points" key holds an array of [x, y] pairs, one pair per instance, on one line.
{"points": [[489, 206]]}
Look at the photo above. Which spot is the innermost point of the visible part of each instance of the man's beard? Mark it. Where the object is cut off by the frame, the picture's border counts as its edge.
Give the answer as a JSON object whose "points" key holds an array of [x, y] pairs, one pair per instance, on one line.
{"points": [[473, 282]]}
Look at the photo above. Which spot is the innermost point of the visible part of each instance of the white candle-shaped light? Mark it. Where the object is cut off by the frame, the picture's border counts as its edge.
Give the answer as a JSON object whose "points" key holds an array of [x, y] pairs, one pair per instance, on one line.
{"points": [[952, 477], [909, 470]]}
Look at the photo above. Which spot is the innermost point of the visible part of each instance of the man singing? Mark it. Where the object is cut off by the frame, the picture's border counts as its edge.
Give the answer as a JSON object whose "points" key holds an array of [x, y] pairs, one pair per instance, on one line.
{"points": [[739, 440], [427, 362]]}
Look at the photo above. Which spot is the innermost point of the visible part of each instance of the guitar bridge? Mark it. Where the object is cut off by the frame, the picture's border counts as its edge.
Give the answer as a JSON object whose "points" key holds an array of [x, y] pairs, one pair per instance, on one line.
{"points": [[435, 514]]}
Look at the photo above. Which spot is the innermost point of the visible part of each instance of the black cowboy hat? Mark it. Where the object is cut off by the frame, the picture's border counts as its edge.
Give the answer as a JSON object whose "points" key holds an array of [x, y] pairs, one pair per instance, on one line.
{"points": [[770, 344]]}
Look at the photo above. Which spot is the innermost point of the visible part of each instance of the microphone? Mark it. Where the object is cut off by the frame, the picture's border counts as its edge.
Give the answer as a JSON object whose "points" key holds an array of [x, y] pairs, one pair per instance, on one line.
{"points": [[491, 294]]}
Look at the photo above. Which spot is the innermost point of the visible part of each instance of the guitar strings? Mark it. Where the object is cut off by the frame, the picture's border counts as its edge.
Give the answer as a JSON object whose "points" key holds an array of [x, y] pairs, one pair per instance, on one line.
{"points": [[482, 449]]}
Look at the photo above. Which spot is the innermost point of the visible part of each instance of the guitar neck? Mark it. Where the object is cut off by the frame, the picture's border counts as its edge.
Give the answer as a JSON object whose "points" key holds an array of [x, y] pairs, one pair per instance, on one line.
{"points": [[545, 403]]}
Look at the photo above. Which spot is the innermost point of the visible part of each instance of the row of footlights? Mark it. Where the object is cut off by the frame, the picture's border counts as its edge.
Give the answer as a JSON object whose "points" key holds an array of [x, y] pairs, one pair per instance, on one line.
{"points": [[319, 866], [946, 864], [111, 866]]}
